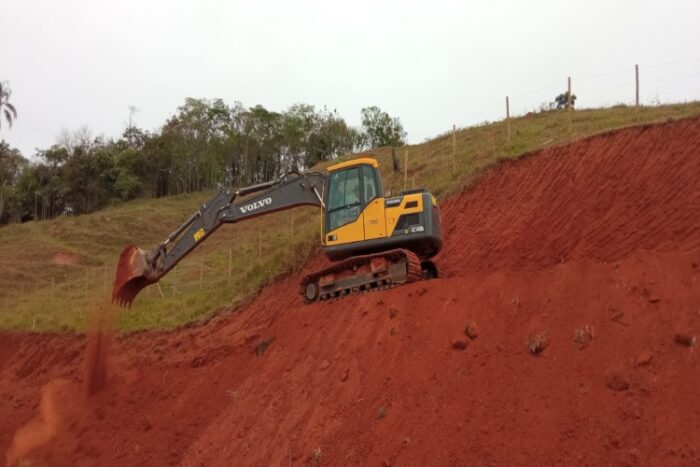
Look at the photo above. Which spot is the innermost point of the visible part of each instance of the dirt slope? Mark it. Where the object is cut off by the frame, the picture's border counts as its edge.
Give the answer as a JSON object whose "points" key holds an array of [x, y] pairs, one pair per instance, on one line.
{"points": [[600, 236]]}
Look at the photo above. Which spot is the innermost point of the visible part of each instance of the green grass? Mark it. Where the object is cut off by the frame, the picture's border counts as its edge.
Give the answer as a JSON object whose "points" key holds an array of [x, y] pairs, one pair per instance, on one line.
{"points": [[36, 293]]}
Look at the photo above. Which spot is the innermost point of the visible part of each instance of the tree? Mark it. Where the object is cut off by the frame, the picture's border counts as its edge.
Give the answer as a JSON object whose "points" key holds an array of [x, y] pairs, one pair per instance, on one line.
{"points": [[5, 107], [11, 165], [204, 144], [380, 129], [562, 100], [330, 139]]}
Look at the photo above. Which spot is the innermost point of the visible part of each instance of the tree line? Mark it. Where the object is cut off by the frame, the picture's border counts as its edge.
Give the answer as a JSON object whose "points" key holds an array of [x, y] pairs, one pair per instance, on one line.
{"points": [[206, 143]]}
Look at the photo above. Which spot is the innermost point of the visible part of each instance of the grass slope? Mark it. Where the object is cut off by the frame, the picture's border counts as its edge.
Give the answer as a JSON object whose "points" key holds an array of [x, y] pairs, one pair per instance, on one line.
{"points": [[55, 272]]}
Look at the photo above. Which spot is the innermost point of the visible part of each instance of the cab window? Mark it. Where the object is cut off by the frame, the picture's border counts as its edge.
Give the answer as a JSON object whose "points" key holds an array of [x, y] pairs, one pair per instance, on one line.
{"points": [[344, 197], [369, 181]]}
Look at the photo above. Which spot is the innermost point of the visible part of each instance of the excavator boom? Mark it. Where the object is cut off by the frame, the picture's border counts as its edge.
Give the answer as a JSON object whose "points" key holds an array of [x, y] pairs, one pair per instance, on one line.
{"points": [[138, 268]]}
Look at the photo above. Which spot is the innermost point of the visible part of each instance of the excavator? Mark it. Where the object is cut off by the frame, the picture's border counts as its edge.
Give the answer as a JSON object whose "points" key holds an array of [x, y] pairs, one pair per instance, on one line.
{"points": [[373, 241]]}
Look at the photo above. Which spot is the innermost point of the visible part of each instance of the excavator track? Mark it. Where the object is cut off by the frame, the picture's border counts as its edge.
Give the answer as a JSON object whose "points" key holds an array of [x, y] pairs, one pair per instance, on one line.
{"points": [[365, 273]]}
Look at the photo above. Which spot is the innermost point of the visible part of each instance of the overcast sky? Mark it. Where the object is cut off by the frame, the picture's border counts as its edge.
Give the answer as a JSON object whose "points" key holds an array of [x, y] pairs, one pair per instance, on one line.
{"points": [[432, 63]]}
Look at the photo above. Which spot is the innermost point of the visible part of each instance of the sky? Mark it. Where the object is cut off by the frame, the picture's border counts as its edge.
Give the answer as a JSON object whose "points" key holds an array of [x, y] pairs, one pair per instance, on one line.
{"points": [[434, 63]]}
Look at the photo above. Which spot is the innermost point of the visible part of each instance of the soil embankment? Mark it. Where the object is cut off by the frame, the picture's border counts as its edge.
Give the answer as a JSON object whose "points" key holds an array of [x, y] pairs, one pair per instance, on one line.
{"points": [[588, 254]]}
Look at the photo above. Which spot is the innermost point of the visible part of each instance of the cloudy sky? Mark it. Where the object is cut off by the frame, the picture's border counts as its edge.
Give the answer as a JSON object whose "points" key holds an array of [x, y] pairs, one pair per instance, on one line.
{"points": [[432, 63]]}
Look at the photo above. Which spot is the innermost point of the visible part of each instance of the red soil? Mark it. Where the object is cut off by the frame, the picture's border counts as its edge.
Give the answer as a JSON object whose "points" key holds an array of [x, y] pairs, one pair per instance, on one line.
{"points": [[594, 246]]}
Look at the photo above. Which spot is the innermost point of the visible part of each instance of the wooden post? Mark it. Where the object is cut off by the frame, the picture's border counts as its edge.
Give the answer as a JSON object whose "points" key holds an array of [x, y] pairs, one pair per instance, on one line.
{"points": [[292, 232], [405, 168], [454, 147], [230, 262], [636, 81], [568, 105], [395, 161], [508, 118], [201, 275]]}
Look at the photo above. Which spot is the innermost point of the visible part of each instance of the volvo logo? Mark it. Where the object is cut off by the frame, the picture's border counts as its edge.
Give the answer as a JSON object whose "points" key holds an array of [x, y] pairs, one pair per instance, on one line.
{"points": [[255, 205]]}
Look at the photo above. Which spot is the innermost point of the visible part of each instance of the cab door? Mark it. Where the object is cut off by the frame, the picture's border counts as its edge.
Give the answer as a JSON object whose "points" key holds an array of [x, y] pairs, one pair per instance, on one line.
{"points": [[374, 217], [344, 220]]}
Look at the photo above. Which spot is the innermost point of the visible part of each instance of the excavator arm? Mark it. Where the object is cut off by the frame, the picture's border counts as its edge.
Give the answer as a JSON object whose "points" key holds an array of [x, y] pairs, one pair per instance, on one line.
{"points": [[138, 268]]}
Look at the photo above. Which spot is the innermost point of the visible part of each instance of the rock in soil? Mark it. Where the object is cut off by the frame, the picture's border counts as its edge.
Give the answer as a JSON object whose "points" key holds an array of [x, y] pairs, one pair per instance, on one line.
{"points": [[459, 344], [471, 330], [617, 381]]}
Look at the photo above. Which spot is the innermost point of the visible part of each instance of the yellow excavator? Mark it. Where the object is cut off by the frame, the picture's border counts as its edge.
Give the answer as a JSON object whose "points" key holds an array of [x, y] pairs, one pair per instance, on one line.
{"points": [[374, 241]]}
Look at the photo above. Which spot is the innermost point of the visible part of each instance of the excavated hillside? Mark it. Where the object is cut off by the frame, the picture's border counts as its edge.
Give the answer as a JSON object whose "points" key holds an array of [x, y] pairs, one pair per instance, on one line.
{"points": [[564, 334]]}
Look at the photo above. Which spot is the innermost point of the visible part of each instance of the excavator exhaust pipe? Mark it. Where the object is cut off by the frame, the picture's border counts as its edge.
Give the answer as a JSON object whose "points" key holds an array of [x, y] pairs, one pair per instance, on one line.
{"points": [[134, 273]]}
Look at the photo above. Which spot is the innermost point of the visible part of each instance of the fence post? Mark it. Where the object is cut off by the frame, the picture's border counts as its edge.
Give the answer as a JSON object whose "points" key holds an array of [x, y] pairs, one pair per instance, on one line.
{"points": [[230, 261], [508, 118], [636, 82], [454, 147], [568, 104], [395, 161], [405, 168], [292, 232]]}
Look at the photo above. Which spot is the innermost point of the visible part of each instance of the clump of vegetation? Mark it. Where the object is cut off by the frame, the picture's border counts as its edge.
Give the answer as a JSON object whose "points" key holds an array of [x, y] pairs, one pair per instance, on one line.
{"points": [[316, 456], [381, 413], [584, 335], [536, 343], [471, 330], [562, 100]]}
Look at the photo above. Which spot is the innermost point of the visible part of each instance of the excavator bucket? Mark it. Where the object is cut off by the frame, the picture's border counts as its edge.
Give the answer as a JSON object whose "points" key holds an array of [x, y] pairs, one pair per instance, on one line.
{"points": [[133, 274]]}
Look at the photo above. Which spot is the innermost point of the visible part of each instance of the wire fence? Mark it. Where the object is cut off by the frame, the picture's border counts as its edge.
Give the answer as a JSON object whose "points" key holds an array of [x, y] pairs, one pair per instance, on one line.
{"points": [[220, 272], [637, 84]]}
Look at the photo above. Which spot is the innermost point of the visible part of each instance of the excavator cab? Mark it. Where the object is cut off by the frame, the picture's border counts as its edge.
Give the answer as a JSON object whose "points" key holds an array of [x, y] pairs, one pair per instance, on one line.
{"points": [[358, 219], [352, 200]]}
